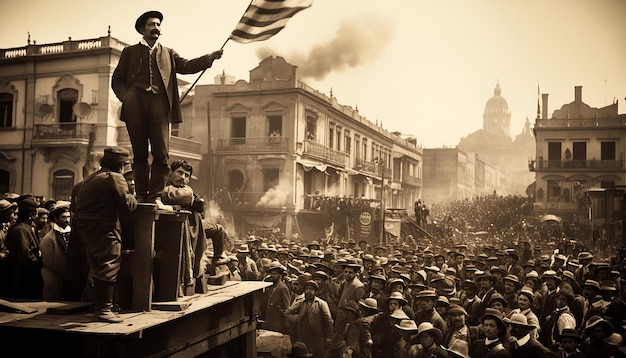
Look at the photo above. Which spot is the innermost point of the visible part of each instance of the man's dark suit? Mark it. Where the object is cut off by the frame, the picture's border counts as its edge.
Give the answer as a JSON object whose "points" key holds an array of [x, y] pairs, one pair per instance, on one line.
{"points": [[147, 113]]}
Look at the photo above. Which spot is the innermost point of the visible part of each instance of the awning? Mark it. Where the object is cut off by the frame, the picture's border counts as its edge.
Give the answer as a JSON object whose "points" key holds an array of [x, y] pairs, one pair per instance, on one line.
{"points": [[309, 164]]}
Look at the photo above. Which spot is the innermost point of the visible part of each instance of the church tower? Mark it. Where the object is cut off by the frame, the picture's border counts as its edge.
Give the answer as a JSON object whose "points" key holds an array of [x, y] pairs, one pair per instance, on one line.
{"points": [[497, 117]]}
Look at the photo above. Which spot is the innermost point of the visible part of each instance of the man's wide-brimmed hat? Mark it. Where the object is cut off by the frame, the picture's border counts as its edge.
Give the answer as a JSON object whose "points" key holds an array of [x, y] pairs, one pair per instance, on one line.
{"points": [[407, 325], [141, 20], [492, 313], [519, 319], [6, 205], [369, 303], [398, 297], [425, 327]]}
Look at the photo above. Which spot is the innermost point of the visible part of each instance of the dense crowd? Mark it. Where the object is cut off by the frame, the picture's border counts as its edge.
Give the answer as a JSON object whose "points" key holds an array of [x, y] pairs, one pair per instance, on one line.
{"points": [[509, 292]]}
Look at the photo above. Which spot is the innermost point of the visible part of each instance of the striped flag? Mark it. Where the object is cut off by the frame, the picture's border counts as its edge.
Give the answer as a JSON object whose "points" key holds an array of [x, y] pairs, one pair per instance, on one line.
{"points": [[265, 18]]}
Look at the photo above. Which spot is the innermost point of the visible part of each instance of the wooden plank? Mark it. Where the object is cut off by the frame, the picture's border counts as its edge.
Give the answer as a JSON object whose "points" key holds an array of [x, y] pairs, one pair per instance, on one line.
{"points": [[15, 307], [134, 322], [70, 308]]}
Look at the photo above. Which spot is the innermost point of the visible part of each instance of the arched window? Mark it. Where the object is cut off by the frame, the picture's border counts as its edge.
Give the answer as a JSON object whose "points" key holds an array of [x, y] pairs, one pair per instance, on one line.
{"points": [[235, 180], [62, 184]]}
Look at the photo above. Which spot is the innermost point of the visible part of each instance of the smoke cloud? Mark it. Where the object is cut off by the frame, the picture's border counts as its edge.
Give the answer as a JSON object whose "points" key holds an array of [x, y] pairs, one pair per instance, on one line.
{"points": [[275, 196], [358, 40]]}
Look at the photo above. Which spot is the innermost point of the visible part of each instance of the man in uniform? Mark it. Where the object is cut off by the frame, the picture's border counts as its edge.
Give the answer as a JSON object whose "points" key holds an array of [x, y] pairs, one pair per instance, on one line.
{"points": [[97, 203]]}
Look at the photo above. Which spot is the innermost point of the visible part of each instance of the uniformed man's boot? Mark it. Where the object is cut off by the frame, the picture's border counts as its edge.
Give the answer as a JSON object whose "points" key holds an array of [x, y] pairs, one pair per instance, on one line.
{"points": [[103, 301]]}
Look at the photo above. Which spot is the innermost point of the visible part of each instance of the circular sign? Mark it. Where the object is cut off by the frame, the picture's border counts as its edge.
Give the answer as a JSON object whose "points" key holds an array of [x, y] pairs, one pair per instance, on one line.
{"points": [[365, 218]]}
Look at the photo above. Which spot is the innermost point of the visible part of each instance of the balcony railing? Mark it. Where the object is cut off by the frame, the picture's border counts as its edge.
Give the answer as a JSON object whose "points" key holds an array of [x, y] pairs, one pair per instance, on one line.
{"points": [[542, 164], [266, 144], [62, 47], [372, 168], [322, 152], [61, 133]]}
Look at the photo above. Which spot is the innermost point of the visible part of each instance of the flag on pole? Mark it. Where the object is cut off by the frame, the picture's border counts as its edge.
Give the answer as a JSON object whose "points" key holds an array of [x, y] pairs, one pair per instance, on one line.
{"points": [[265, 18]]}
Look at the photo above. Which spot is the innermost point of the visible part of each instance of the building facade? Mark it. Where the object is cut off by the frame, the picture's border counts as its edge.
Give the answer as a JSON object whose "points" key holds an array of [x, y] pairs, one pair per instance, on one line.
{"points": [[266, 149], [579, 148], [452, 174], [58, 113], [283, 154]]}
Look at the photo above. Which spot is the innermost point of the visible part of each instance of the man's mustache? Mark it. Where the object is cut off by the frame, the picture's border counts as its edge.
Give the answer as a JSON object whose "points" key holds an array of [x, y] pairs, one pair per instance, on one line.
{"points": [[155, 32]]}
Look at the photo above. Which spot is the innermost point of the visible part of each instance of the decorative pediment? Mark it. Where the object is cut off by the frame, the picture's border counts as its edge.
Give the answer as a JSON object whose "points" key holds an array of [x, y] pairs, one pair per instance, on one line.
{"points": [[238, 108], [274, 106]]}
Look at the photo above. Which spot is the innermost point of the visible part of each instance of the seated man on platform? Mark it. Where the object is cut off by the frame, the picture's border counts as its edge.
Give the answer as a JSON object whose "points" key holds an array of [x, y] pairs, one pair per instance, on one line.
{"points": [[178, 192]]}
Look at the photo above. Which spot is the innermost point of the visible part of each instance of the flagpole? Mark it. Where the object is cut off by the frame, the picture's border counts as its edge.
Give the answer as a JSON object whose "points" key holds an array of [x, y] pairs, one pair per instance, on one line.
{"points": [[203, 71]]}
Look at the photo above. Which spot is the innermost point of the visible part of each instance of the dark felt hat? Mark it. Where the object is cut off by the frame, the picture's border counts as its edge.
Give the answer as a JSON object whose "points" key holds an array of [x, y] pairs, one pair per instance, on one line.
{"points": [[117, 154], [299, 349], [141, 20], [27, 205]]}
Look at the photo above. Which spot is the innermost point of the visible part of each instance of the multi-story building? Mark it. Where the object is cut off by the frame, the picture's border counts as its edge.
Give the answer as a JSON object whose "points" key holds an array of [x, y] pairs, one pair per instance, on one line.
{"points": [[452, 174], [58, 113], [268, 149], [579, 148], [284, 154]]}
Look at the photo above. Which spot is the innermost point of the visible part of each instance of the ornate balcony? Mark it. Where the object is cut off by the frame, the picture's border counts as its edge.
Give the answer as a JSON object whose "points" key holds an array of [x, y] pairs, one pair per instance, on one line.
{"points": [[318, 151], [61, 134]]}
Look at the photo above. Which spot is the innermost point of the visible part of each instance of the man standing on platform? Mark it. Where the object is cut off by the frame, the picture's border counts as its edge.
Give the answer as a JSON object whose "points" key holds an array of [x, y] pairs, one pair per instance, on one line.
{"points": [[97, 203], [145, 82]]}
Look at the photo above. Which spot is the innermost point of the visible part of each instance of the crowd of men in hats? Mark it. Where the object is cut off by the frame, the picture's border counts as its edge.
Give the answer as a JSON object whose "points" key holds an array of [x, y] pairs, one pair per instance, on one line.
{"points": [[406, 298], [417, 298]]}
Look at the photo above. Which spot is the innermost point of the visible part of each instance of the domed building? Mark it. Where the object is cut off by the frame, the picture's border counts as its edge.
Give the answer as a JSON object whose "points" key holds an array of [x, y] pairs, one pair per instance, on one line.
{"points": [[494, 144]]}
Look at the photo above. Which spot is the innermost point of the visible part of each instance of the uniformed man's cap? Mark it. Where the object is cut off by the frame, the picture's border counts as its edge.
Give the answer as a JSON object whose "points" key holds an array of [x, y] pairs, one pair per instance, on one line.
{"points": [[117, 154], [141, 20]]}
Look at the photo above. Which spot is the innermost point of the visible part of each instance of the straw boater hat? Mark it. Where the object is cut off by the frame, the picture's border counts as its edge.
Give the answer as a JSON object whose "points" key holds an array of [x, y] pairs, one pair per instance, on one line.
{"points": [[514, 279], [427, 327], [592, 283], [551, 274], [427, 294]]}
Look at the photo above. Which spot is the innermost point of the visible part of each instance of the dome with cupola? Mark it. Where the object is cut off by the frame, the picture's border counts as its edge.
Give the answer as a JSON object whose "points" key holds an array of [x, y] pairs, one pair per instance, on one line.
{"points": [[497, 117]]}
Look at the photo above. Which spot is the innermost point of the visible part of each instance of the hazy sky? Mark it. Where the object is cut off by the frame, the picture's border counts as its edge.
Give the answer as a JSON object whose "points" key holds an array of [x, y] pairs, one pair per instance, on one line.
{"points": [[421, 67]]}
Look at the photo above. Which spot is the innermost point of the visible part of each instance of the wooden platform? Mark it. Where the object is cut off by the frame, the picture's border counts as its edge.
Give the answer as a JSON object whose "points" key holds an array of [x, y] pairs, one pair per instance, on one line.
{"points": [[219, 323]]}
